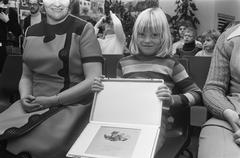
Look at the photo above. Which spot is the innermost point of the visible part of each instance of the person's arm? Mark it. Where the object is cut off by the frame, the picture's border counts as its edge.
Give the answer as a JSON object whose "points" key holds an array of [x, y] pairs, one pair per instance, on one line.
{"points": [[190, 92], [118, 28], [78, 92], [98, 24], [25, 89], [25, 83], [216, 87]]}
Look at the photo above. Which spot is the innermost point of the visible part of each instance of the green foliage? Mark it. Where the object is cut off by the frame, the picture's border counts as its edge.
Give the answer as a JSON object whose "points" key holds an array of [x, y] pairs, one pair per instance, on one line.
{"points": [[184, 12]]}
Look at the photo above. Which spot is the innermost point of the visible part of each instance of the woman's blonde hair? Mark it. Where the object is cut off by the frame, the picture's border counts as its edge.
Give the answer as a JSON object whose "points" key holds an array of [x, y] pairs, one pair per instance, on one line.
{"points": [[155, 20]]}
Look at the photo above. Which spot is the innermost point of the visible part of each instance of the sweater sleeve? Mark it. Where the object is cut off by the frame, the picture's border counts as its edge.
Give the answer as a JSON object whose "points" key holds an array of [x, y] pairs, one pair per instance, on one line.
{"points": [[216, 87], [190, 93], [118, 28]]}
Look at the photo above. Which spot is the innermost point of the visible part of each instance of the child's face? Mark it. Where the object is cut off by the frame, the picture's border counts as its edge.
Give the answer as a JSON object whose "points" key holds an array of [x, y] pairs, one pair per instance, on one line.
{"points": [[208, 44], [188, 37], [148, 42]]}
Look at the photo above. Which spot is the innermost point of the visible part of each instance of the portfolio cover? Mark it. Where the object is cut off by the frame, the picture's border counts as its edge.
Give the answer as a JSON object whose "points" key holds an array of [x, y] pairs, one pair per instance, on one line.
{"points": [[124, 121]]}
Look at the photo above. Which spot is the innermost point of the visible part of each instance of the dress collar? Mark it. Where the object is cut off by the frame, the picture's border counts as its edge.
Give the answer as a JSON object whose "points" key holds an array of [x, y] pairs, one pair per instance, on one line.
{"points": [[235, 33]]}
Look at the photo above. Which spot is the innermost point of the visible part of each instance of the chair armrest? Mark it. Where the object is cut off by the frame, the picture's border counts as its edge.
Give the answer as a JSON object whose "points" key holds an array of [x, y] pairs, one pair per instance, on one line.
{"points": [[198, 115]]}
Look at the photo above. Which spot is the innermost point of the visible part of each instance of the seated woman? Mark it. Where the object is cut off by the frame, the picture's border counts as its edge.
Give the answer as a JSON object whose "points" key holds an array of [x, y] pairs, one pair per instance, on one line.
{"points": [[220, 135], [60, 61]]}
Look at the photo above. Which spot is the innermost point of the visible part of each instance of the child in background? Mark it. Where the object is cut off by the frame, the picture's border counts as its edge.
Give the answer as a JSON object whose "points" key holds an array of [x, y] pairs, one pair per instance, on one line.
{"points": [[210, 38], [190, 48], [113, 40], [150, 58]]}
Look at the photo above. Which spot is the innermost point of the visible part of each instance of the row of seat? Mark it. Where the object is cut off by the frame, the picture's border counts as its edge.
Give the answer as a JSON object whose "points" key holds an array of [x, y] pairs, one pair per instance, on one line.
{"points": [[178, 138]]}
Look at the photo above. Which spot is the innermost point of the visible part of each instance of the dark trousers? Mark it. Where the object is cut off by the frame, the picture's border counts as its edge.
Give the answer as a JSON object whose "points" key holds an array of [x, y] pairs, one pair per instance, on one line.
{"points": [[3, 56]]}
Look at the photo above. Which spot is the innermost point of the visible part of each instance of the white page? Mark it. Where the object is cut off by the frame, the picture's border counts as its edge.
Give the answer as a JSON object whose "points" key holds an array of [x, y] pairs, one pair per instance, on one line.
{"points": [[129, 102]]}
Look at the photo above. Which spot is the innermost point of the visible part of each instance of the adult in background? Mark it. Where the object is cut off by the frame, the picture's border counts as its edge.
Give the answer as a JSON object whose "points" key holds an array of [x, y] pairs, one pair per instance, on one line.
{"points": [[35, 15], [8, 22], [85, 16], [220, 135], [181, 31], [60, 61]]}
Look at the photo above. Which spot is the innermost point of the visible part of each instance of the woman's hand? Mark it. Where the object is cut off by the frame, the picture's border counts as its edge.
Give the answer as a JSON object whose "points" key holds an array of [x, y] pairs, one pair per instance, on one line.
{"points": [[164, 93], [29, 105], [97, 85], [233, 119], [46, 101]]}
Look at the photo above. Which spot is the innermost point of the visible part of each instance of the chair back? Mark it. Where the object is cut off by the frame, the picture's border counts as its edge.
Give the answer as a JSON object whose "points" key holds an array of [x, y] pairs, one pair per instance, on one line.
{"points": [[198, 69], [110, 64], [11, 73]]}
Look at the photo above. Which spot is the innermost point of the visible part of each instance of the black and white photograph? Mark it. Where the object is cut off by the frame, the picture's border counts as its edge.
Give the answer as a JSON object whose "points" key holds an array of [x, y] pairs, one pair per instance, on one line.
{"points": [[114, 142], [55, 56]]}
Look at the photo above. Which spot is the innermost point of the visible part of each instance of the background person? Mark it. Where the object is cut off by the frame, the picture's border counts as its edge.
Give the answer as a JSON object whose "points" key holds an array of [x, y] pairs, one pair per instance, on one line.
{"points": [[35, 15], [60, 61], [114, 39], [190, 48], [8, 22]]}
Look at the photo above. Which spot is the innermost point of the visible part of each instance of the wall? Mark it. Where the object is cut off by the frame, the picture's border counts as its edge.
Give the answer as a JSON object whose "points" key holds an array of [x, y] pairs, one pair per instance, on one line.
{"points": [[207, 11]]}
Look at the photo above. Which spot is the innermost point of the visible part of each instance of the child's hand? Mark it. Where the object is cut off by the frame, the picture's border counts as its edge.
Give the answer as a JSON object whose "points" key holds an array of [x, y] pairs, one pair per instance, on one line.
{"points": [[164, 94], [97, 85]]}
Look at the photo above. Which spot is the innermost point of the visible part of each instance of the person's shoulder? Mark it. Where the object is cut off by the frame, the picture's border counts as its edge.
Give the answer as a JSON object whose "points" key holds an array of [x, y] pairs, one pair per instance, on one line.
{"points": [[232, 32], [79, 24], [36, 29], [129, 57], [77, 20]]}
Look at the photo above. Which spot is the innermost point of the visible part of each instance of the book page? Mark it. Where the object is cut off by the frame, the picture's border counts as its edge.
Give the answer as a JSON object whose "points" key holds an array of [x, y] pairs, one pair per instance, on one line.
{"points": [[114, 142]]}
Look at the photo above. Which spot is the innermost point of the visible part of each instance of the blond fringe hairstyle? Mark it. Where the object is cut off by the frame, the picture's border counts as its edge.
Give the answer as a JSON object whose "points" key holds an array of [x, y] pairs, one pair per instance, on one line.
{"points": [[155, 20]]}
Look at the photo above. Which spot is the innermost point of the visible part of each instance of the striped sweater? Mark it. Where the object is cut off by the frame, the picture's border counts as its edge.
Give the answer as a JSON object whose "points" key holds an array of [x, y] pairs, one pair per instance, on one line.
{"points": [[168, 69]]}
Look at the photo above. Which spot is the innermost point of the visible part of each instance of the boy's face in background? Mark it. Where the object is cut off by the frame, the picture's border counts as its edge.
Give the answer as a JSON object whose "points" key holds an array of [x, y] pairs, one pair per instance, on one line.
{"points": [[188, 37], [208, 44]]}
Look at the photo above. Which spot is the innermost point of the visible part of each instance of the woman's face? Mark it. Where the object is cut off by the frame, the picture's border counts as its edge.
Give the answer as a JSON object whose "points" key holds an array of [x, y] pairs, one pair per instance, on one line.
{"points": [[181, 31], [56, 10], [148, 42]]}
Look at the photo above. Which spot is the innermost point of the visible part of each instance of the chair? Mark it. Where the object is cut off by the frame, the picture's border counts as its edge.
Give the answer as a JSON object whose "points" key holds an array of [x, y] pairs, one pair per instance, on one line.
{"points": [[110, 64], [198, 69], [10, 76]]}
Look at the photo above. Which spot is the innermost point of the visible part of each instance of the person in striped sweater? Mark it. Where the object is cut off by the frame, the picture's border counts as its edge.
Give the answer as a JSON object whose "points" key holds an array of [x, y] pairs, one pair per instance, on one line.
{"points": [[151, 59]]}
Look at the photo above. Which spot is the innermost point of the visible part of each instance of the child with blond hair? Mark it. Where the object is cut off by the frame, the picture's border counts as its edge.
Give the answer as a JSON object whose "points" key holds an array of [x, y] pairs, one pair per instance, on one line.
{"points": [[150, 58]]}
